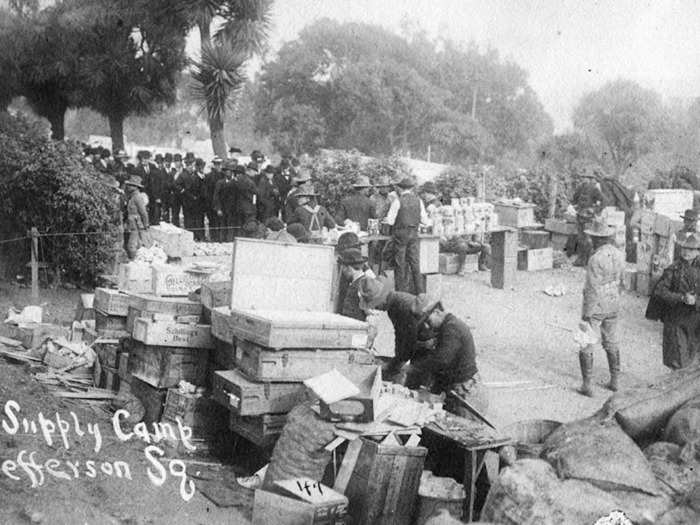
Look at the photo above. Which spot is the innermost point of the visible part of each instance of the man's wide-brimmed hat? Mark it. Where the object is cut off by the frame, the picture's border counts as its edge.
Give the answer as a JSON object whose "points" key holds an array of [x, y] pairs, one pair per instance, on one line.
{"points": [[189, 158], [306, 190], [347, 240], [406, 183], [134, 180], [690, 242], [352, 256], [121, 154], [373, 292], [216, 160], [362, 182], [600, 229], [423, 306], [229, 165], [690, 215]]}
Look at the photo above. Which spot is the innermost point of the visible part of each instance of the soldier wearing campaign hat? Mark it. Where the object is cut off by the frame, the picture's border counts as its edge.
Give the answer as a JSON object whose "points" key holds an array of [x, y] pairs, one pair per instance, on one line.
{"points": [[357, 207]]}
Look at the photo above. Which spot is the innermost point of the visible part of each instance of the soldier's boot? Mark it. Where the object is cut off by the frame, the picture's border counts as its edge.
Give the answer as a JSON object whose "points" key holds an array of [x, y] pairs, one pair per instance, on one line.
{"points": [[585, 359], [614, 367]]}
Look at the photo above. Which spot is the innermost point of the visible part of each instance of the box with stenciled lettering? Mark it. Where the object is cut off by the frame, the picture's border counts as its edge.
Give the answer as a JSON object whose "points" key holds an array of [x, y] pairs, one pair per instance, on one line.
{"points": [[175, 281], [299, 501], [166, 333], [165, 367]]}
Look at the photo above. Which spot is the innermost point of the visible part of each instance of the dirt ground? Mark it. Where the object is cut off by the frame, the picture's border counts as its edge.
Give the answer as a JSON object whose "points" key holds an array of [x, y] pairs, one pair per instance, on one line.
{"points": [[526, 354]]}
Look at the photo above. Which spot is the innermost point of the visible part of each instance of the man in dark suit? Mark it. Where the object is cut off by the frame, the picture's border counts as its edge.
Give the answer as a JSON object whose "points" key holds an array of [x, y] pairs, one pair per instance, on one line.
{"points": [[268, 195], [247, 194], [174, 195], [210, 181], [145, 169], [157, 190], [225, 201]]}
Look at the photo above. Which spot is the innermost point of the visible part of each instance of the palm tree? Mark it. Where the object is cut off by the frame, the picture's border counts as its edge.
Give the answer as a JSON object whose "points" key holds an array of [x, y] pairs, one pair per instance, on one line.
{"points": [[219, 73]]}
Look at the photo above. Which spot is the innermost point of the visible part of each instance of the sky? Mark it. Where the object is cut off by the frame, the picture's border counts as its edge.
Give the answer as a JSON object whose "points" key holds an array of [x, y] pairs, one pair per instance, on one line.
{"points": [[569, 47]]}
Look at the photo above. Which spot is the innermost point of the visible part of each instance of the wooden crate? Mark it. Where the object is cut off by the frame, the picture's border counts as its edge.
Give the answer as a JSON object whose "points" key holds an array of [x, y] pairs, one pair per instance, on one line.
{"points": [[123, 367], [361, 408], [174, 306], [428, 254], [175, 281], [449, 263], [670, 202], [560, 226], [646, 248], [165, 367], [273, 276], [629, 279], [647, 222], [535, 260], [298, 364], [383, 486], [111, 302], [519, 216], [433, 285], [559, 241], [109, 323], [297, 329], [165, 333], [152, 399], [221, 324], [504, 244], [216, 294], [199, 412], [31, 335], [134, 277], [471, 263], [503, 273], [109, 378], [262, 431], [290, 504], [223, 356], [534, 239], [247, 398], [175, 243]]}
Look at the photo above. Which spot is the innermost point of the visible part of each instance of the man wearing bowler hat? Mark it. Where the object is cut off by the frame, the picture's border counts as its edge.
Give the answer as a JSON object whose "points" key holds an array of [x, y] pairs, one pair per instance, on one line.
{"points": [[352, 264], [405, 215], [136, 217], [210, 181], [357, 207], [601, 303]]}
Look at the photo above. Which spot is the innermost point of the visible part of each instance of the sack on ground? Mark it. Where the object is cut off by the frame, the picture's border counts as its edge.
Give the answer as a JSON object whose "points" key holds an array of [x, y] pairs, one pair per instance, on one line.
{"points": [[529, 493], [299, 451], [684, 425], [598, 451], [644, 410]]}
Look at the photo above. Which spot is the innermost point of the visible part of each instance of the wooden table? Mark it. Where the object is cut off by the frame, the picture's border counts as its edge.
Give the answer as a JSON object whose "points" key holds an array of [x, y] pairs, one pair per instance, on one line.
{"points": [[469, 439]]}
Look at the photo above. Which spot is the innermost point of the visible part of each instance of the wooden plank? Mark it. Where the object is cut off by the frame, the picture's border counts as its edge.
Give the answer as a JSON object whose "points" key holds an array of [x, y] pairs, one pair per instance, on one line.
{"points": [[294, 329], [33, 334], [347, 467], [165, 367], [149, 303], [215, 294], [428, 254], [246, 398], [263, 430], [263, 364], [10, 342], [221, 324], [161, 333], [273, 276], [105, 322]]}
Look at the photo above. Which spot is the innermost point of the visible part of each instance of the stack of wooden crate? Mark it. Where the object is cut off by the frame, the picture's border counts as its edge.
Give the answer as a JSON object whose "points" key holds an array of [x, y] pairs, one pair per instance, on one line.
{"points": [[277, 331], [537, 253], [504, 256], [654, 250], [111, 309]]}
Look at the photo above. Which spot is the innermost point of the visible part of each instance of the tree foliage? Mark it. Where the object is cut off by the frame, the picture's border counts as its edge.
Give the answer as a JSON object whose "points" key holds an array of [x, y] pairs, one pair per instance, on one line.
{"points": [[384, 94], [47, 185], [622, 121]]}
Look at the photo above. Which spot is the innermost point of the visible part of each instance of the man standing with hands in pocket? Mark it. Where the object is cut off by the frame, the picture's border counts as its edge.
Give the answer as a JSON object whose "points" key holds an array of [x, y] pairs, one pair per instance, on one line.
{"points": [[601, 303], [673, 302]]}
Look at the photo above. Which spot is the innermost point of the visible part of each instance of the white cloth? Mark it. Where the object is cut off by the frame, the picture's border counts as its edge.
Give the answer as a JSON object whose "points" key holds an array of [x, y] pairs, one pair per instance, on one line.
{"points": [[394, 210]]}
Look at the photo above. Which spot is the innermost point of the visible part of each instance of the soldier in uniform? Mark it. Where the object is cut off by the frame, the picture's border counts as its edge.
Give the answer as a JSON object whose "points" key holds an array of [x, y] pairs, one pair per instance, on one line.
{"points": [[247, 195], [380, 197], [601, 303], [405, 215], [118, 168], [588, 201], [358, 206], [310, 214], [210, 181], [136, 217], [674, 302], [290, 202]]}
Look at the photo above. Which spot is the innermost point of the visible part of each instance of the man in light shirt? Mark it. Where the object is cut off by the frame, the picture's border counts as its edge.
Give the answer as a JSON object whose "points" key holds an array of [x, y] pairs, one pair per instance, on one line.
{"points": [[405, 215]]}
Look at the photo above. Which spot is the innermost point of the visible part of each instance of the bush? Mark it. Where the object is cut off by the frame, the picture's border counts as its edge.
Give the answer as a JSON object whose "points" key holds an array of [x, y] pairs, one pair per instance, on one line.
{"points": [[334, 171], [47, 185]]}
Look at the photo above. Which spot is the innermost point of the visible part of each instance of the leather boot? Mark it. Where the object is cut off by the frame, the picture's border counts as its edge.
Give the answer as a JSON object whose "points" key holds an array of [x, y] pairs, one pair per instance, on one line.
{"points": [[614, 367], [585, 359]]}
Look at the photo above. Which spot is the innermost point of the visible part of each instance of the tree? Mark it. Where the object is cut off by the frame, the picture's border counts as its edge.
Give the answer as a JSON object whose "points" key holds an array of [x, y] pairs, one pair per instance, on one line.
{"points": [[622, 122], [385, 94], [219, 72], [40, 60], [130, 55]]}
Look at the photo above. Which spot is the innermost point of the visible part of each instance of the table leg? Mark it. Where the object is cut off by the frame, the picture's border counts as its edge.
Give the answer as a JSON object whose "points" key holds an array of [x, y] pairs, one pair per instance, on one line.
{"points": [[470, 474]]}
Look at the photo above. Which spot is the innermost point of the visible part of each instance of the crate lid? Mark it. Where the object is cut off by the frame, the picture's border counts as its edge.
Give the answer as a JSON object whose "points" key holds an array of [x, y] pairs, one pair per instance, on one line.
{"points": [[270, 275]]}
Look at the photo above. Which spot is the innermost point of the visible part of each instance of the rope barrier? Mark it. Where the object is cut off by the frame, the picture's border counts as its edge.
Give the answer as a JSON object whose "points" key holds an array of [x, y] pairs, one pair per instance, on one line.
{"points": [[14, 240]]}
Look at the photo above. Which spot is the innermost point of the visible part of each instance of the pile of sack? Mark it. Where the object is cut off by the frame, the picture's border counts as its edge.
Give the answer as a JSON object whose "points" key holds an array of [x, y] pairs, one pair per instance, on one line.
{"points": [[640, 453]]}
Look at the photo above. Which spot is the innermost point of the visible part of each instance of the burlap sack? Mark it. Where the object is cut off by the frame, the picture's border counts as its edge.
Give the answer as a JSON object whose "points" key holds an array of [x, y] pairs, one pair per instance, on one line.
{"points": [[599, 452], [684, 425]]}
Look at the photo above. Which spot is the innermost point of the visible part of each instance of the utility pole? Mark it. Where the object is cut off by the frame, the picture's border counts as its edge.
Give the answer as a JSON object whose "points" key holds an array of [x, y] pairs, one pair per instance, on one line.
{"points": [[474, 92]]}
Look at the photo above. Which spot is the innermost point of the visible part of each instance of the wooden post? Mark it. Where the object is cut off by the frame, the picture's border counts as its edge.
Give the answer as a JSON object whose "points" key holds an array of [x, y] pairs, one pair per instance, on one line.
{"points": [[553, 196], [34, 233]]}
